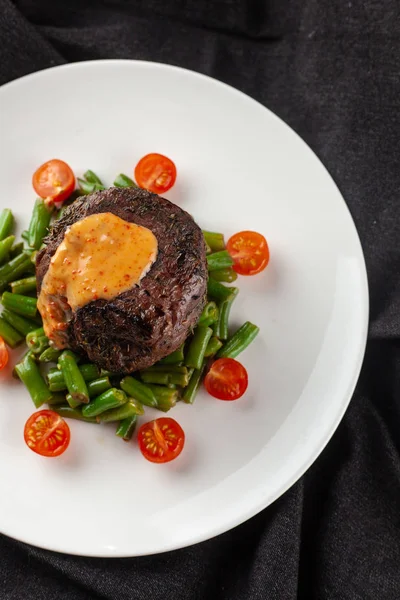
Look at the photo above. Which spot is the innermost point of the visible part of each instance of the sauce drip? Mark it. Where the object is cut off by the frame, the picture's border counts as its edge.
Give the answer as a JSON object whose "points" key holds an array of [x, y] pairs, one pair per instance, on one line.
{"points": [[100, 257]]}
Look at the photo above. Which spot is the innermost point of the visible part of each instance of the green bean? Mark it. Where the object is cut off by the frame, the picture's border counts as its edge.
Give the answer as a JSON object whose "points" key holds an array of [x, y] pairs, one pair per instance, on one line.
{"points": [[126, 428], [29, 373], [218, 291], [56, 378], [124, 181], [138, 405], [95, 388], [190, 392], [19, 323], [166, 397], [208, 249], [71, 402], [138, 390], [214, 240], [89, 371], [107, 400], [85, 187], [6, 223], [174, 358], [227, 275], [72, 413], [198, 346], [76, 385], [28, 269], [212, 347], [39, 225], [32, 336], [50, 355], [105, 373], [5, 248], [39, 345], [209, 314], [164, 374], [15, 262], [14, 269], [219, 260], [221, 327], [118, 414], [24, 286], [164, 392], [98, 386], [10, 335], [239, 341], [17, 249], [88, 188], [22, 305], [25, 235], [25, 269], [92, 178], [56, 399]]}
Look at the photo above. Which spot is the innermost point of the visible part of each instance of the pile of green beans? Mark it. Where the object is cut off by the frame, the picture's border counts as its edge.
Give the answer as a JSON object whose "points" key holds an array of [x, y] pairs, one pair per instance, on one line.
{"points": [[82, 391]]}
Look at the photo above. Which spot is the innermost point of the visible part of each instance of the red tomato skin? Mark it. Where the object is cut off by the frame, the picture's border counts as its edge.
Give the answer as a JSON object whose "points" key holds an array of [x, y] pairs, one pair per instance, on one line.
{"points": [[151, 431], [250, 252], [156, 173], [4, 356], [226, 380], [58, 440], [54, 181]]}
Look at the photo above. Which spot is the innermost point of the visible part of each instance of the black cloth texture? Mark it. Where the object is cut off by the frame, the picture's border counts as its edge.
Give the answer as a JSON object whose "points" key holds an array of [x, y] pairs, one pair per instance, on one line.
{"points": [[331, 70]]}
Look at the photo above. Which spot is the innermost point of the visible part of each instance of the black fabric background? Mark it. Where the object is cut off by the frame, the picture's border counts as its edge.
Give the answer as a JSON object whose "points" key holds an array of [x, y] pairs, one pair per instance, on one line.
{"points": [[331, 70]]}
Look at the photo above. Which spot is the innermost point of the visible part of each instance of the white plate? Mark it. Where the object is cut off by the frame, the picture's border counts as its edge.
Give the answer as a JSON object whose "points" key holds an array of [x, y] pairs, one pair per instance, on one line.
{"points": [[239, 167]]}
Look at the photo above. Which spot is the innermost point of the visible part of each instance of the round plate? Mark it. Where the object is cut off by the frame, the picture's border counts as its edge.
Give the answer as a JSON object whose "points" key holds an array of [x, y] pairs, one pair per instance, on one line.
{"points": [[239, 167]]}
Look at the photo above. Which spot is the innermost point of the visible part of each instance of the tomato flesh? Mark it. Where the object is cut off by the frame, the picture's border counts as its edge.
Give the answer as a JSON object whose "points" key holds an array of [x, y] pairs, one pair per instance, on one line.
{"points": [[3, 354], [249, 251], [46, 433], [227, 379], [161, 440], [156, 173], [54, 181]]}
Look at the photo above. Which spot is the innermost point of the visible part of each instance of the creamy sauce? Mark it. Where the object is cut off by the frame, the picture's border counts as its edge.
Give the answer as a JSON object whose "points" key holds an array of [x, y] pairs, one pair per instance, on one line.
{"points": [[100, 256]]}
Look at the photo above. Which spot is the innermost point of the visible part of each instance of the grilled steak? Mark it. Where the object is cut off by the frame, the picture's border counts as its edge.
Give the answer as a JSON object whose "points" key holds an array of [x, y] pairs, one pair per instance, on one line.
{"points": [[151, 320]]}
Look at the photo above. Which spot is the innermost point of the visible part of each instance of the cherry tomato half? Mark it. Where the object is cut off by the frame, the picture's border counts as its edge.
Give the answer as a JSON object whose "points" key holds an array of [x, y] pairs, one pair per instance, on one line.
{"points": [[3, 354], [227, 379], [54, 180], [249, 251], [46, 433], [156, 173], [161, 440]]}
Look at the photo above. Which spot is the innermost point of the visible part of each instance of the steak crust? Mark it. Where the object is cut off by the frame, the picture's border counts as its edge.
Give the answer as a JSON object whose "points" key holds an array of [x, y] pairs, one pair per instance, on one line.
{"points": [[146, 323]]}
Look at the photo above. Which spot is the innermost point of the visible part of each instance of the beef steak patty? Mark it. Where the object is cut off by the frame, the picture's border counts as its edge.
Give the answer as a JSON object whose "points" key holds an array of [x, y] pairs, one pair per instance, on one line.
{"points": [[151, 320]]}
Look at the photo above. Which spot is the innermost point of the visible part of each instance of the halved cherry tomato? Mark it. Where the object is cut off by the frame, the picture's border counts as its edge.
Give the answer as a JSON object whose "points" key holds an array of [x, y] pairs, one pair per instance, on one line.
{"points": [[46, 433], [156, 173], [249, 251], [54, 181], [227, 379], [161, 440], [3, 354]]}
